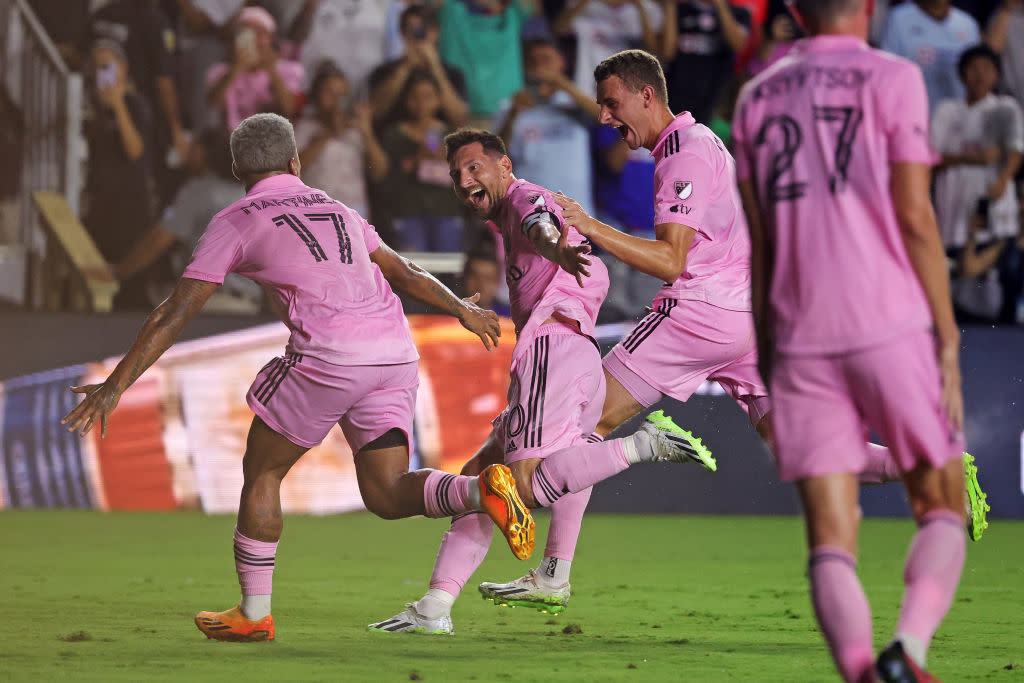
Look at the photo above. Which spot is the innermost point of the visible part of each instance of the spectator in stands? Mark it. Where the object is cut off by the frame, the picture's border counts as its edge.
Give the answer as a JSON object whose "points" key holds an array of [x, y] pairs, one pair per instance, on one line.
{"points": [[425, 213], [988, 275], [210, 187], [420, 31], [700, 42], [546, 125], [933, 34], [337, 144], [1009, 21], [120, 195], [205, 31], [483, 39], [348, 32], [779, 34], [603, 27], [149, 43], [981, 140], [257, 79], [482, 273]]}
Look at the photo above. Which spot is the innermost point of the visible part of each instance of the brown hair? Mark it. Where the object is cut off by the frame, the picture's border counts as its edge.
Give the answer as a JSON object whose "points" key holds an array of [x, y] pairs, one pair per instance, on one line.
{"points": [[453, 142], [637, 69]]}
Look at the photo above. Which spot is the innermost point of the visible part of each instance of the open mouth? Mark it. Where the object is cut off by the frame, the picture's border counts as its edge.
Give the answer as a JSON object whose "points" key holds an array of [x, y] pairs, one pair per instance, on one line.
{"points": [[477, 197]]}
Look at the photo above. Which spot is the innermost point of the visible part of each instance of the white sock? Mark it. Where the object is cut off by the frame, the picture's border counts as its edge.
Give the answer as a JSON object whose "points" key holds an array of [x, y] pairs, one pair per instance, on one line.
{"points": [[554, 571], [255, 607], [474, 495], [914, 648], [638, 447], [435, 604]]}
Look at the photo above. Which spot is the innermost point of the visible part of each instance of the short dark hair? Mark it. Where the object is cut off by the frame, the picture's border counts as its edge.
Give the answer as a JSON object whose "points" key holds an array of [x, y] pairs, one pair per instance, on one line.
{"points": [[425, 13], [538, 41], [636, 69], [980, 50], [824, 12], [492, 143]]}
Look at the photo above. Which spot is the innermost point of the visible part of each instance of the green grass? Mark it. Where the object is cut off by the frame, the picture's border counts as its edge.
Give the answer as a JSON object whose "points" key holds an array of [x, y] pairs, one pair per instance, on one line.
{"points": [[94, 596]]}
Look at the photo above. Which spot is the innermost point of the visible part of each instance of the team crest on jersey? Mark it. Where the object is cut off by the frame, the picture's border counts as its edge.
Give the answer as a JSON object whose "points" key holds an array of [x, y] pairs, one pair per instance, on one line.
{"points": [[536, 200], [684, 188]]}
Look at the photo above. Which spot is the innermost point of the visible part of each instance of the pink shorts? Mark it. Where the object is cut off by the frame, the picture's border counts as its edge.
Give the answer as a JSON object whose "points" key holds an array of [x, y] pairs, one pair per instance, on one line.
{"points": [[682, 343], [825, 405], [555, 396], [302, 398]]}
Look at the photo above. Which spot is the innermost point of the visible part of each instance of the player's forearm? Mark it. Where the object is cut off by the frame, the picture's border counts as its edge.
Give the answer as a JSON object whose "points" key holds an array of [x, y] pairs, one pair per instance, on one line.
{"points": [[653, 257], [421, 285], [924, 248], [158, 333]]}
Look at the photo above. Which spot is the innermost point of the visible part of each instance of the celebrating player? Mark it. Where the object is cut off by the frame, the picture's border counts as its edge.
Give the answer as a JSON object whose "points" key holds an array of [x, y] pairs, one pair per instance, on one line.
{"points": [[854, 322], [350, 358], [700, 326], [557, 385]]}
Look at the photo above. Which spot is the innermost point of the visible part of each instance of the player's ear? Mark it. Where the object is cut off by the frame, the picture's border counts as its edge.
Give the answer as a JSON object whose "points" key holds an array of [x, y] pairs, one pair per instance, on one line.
{"points": [[506, 164], [295, 166], [234, 170]]}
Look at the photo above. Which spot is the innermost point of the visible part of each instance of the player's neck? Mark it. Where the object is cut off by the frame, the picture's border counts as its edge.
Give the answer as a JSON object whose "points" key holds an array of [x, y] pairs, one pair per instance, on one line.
{"points": [[662, 120]]}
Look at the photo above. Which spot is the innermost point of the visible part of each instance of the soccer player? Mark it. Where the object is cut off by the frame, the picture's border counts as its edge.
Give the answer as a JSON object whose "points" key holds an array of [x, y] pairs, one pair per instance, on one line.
{"points": [[350, 359], [855, 327], [557, 386]]}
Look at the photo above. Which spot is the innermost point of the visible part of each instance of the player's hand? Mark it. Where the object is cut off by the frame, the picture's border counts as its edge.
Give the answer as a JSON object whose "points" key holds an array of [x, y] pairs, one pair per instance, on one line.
{"points": [[572, 260], [952, 397], [100, 401], [997, 188], [480, 321], [574, 215]]}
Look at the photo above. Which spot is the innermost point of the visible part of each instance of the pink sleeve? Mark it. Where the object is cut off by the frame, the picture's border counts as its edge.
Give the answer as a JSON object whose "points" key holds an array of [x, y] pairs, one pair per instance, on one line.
{"points": [[683, 190], [370, 237], [218, 253], [904, 112]]}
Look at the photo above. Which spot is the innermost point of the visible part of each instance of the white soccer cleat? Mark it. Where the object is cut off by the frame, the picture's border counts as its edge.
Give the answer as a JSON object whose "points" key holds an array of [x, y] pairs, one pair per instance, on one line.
{"points": [[527, 592], [411, 621], [674, 444]]}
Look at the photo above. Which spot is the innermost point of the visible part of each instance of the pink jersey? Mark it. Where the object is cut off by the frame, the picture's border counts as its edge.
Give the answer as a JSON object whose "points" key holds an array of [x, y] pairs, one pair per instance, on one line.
{"points": [[816, 133], [311, 255], [695, 186], [537, 287]]}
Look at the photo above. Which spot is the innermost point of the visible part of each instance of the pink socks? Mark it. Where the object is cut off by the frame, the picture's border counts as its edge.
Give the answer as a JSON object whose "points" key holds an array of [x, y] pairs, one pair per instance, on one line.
{"points": [[446, 495], [843, 611], [254, 562]]}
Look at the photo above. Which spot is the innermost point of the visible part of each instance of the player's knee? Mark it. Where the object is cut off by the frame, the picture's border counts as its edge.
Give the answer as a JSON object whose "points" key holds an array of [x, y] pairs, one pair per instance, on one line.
{"points": [[383, 507]]}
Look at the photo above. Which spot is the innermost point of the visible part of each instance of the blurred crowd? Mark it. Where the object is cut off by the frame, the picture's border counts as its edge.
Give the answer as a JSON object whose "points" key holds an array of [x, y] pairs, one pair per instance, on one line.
{"points": [[373, 86]]}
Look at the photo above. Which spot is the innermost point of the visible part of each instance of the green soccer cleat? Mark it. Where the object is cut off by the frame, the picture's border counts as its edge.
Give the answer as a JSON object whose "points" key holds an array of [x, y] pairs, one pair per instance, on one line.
{"points": [[977, 507], [673, 444]]}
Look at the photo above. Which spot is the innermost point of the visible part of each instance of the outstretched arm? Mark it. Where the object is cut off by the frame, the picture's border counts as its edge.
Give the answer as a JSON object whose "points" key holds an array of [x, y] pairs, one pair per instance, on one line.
{"points": [[159, 331], [405, 276], [663, 257]]}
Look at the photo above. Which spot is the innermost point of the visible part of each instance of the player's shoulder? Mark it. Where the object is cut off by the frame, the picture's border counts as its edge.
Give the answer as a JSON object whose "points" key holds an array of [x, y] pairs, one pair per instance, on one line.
{"points": [[526, 193]]}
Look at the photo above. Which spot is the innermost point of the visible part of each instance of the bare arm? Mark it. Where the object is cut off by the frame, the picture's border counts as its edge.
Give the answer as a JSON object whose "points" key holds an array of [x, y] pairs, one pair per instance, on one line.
{"points": [[452, 104], [215, 96], [169, 103], [762, 265], [562, 25], [669, 31], [376, 158], [584, 101], [552, 243], [159, 331], [148, 249], [733, 31], [650, 38], [405, 276], [386, 93], [282, 93], [663, 257], [131, 139], [974, 262], [999, 27], [1006, 174], [909, 187]]}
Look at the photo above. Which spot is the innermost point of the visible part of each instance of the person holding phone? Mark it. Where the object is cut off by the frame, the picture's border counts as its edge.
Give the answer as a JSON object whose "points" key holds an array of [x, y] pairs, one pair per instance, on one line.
{"points": [[257, 79], [120, 191]]}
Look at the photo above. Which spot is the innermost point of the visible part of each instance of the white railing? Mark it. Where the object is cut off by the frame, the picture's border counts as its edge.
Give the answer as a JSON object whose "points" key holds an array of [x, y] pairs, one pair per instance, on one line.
{"points": [[47, 101]]}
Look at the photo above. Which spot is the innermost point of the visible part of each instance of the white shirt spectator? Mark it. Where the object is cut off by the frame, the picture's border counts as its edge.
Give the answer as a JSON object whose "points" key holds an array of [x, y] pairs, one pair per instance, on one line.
{"points": [[993, 121], [339, 170], [351, 33], [602, 30]]}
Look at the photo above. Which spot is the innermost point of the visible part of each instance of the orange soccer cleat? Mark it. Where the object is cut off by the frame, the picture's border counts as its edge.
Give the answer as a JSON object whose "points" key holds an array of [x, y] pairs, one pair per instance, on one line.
{"points": [[500, 500], [231, 625]]}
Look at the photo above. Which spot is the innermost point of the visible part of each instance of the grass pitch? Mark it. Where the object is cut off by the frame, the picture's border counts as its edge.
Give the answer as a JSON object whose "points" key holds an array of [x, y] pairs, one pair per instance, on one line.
{"points": [[94, 596]]}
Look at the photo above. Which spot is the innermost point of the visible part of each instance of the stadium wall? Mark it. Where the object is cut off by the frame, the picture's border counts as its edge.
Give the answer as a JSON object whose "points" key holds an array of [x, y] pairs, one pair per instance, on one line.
{"points": [[177, 437]]}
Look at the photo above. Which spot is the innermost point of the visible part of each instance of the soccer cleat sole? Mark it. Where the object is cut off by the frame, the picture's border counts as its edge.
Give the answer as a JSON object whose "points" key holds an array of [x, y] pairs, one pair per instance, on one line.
{"points": [[543, 607], [515, 521], [413, 631], [977, 521], [695, 450]]}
